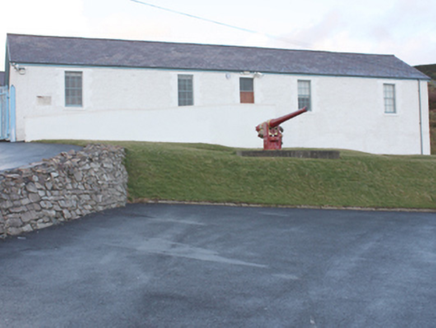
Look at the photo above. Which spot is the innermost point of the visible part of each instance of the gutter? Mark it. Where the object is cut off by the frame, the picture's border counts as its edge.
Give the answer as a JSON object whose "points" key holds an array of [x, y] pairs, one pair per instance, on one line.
{"points": [[420, 117], [7, 63], [308, 207], [219, 70]]}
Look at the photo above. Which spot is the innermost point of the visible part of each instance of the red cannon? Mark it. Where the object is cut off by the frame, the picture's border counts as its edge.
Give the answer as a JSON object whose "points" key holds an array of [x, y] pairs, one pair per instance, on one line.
{"points": [[271, 131]]}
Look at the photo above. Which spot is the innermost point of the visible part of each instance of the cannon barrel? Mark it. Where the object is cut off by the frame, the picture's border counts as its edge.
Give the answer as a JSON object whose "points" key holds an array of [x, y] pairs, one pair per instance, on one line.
{"points": [[277, 121]]}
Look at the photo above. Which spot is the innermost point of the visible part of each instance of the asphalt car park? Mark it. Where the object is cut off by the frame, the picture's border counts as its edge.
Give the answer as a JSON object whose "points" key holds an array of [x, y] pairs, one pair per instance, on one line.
{"points": [[162, 265], [18, 154]]}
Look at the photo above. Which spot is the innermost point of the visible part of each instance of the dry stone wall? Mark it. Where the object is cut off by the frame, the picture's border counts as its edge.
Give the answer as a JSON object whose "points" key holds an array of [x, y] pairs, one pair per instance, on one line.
{"points": [[62, 188]]}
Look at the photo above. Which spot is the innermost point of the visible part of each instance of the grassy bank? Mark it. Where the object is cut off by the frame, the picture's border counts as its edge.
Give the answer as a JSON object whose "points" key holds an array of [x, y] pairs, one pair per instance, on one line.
{"points": [[433, 131], [199, 172]]}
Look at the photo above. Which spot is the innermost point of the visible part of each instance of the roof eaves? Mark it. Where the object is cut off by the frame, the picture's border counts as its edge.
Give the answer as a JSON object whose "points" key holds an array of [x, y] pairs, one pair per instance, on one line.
{"points": [[423, 77]]}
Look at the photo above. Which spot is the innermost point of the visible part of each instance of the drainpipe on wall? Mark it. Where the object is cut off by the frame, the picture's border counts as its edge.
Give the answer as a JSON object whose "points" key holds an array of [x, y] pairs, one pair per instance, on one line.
{"points": [[12, 118], [420, 117]]}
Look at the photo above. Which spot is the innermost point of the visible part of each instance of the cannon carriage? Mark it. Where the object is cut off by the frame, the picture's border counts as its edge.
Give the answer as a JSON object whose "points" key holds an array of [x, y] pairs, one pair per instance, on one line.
{"points": [[271, 131]]}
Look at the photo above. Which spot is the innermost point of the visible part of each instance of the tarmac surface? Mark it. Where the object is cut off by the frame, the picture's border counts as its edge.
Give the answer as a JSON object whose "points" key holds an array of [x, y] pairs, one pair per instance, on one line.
{"points": [[18, 154], [160, 265]]}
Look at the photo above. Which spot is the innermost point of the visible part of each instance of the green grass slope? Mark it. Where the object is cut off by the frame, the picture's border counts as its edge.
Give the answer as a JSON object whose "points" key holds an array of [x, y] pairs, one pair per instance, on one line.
{"points": [[433, 131], [210, 173]]}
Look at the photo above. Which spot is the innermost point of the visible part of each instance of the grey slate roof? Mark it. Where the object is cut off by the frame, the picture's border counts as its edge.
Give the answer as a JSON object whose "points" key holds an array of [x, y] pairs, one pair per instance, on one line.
{"points": [[147, 54]]}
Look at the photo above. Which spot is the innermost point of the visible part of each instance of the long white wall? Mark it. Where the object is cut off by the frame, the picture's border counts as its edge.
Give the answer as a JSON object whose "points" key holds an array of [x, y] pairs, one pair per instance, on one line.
{"points": [[141, 104]]}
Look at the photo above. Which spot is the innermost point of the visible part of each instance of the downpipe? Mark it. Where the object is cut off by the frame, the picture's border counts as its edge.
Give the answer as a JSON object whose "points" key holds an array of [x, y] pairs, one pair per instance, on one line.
{"points": [[420, 117]]}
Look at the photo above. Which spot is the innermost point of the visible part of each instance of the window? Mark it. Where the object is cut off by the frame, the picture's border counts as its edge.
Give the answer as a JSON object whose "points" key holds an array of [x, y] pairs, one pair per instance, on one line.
{"points": [[246, 90], [389, 95], [186, 90], [73, 89], [304, 95]]}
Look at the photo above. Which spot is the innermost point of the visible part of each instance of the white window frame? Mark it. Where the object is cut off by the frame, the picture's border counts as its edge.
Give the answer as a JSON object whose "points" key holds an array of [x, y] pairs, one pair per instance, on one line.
{"points": [[389, 98], [246, 90], [304, 94], [73, 88], [185, 92]]}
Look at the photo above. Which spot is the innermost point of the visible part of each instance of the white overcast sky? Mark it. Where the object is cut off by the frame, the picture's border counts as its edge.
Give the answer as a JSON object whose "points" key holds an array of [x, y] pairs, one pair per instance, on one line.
{"points": [[405, 28]]}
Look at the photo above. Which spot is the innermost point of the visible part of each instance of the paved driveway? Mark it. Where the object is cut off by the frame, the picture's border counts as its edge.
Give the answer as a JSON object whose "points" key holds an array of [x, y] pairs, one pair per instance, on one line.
{"points": [[17, 154], [211, 266]]}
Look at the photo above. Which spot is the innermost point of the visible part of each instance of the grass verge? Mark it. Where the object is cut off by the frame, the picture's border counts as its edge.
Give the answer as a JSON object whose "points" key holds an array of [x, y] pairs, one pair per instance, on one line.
{"points": [[433, 131], [211, 173]]}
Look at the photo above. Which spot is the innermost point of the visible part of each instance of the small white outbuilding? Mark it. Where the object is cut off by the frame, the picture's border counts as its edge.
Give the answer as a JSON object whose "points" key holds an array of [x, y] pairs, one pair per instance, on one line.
{"points": [[100, 89]]}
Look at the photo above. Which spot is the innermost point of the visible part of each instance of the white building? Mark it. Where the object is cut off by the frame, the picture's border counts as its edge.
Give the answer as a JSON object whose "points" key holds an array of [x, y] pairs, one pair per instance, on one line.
{"points": [[97, 89]]}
